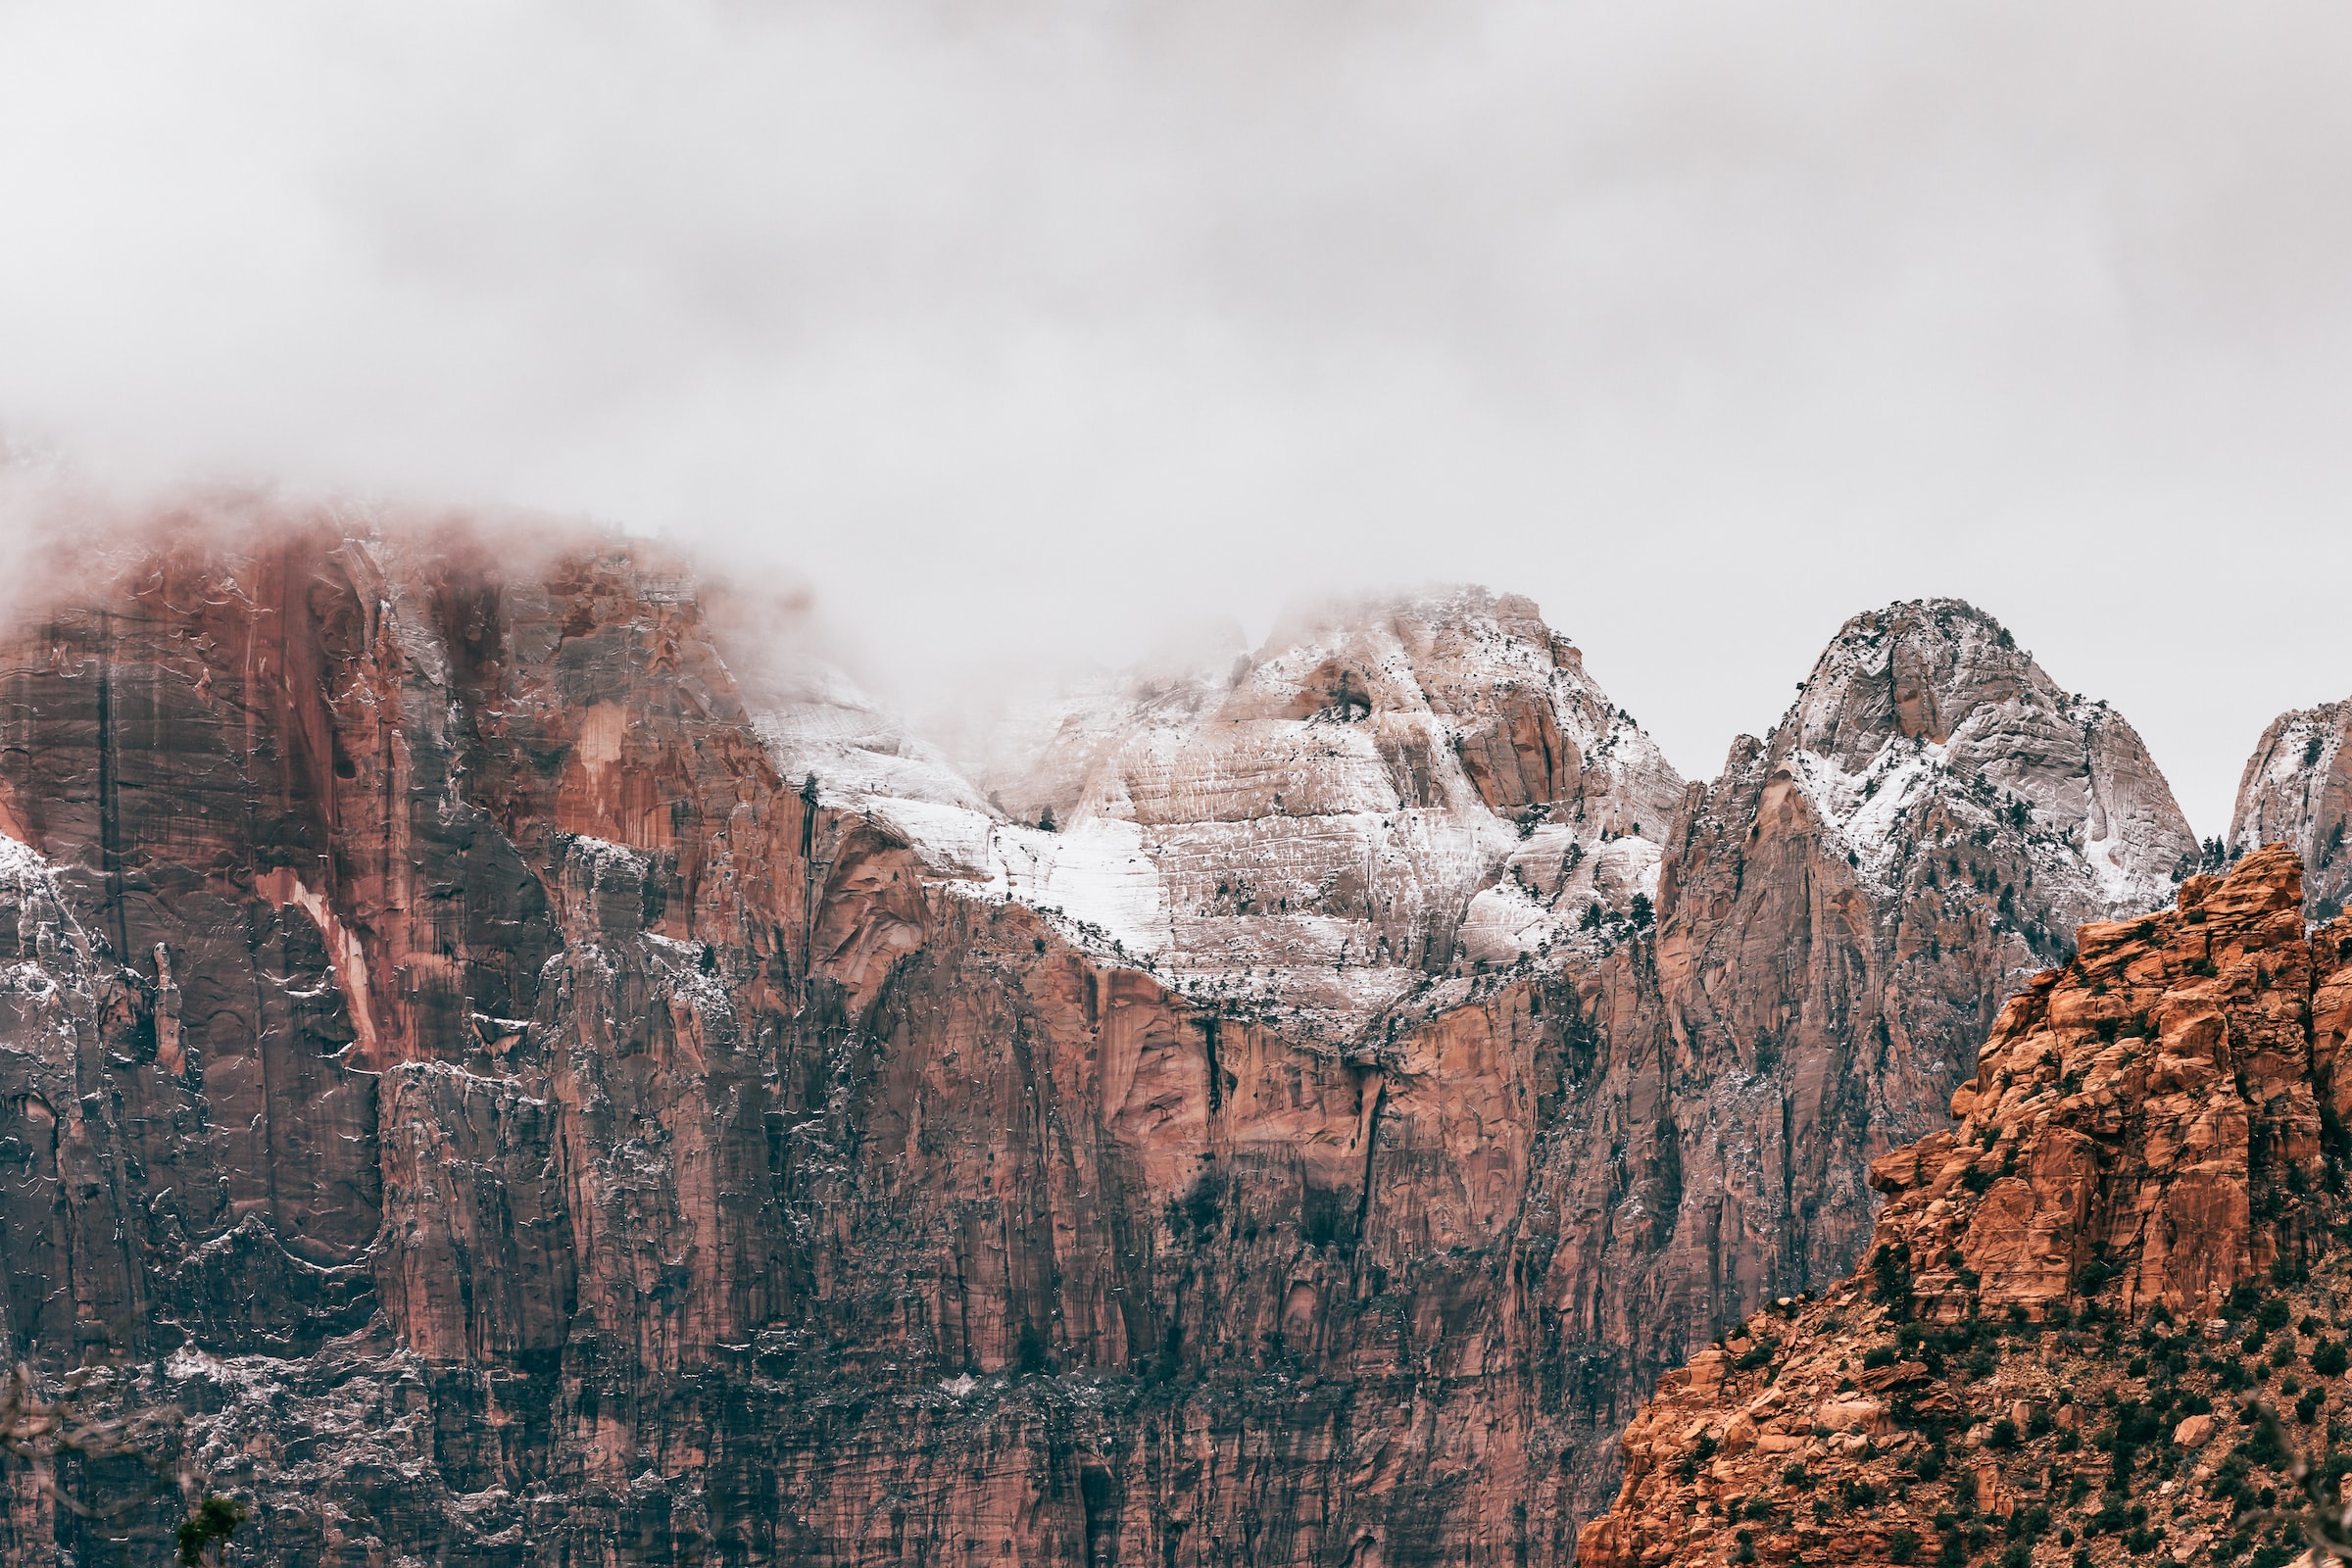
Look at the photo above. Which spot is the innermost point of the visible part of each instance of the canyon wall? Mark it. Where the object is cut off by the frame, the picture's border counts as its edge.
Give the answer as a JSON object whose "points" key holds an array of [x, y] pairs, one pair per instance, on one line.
{"points": [[453, 1051]]}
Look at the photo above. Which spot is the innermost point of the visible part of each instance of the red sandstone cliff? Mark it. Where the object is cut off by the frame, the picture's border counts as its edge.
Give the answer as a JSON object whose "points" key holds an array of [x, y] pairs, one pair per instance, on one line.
{"points": [[444, 1054], [2148, 1170]]}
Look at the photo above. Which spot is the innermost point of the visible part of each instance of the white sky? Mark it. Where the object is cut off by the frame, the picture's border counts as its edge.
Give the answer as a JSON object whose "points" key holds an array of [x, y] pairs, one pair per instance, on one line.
{"points": [[1019, 330]]}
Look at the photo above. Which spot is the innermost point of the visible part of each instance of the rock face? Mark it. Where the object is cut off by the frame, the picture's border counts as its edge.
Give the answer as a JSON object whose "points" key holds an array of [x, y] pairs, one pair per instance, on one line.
{"points": [[446, 1054], [2298, 789], [1841, 915], [2151, 1146], [395, 927]]}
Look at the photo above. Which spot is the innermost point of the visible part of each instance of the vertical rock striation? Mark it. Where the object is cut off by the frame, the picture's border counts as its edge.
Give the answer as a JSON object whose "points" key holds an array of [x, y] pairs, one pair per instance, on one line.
{"points": [[444, 1053]]}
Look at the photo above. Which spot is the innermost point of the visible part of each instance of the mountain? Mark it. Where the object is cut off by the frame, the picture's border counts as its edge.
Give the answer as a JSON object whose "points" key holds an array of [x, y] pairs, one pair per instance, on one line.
{"points": [[1387, 795], [1841, 915], [2076, 1296], [453, 1054], [2298, 789]]}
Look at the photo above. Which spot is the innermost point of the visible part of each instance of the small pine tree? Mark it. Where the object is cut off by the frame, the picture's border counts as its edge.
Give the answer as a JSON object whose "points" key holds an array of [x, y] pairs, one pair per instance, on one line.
{"points": [[214, 1520]]}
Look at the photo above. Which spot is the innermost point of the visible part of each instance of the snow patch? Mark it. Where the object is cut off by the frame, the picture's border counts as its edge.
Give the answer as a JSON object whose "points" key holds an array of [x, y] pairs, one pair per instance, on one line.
{"points": [[21, 863], [1866, 813], [597, 856]]}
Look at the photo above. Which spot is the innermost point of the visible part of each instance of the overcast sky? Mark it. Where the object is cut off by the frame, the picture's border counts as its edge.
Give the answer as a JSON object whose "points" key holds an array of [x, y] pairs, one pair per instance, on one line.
{"points": [[1019, 330]]}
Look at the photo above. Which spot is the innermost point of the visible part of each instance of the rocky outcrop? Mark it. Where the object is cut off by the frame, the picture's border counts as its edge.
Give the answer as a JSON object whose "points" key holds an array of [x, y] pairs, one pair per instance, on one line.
{"points": [[450, 1056], [2150, 1147], [2298, 789], [1840, 917]]}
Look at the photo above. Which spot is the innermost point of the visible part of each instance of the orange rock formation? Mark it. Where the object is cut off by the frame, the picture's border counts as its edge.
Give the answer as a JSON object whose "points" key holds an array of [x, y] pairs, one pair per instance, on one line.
{"points": [[2151, 1143]]}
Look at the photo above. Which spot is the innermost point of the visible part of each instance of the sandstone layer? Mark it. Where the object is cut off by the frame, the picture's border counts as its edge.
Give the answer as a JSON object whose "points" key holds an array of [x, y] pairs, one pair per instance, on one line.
{"points": [[2142, 1192]]}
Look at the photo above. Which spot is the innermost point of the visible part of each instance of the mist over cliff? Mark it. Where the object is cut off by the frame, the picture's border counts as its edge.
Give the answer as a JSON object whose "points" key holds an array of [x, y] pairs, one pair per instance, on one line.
{"points": [[1174, 783], [486, 1009], [1021, 331]]}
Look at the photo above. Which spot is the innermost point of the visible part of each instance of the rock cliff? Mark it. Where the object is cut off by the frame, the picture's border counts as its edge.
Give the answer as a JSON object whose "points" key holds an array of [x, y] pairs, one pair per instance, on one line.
{"points": [[1840, 916], [2129, 1244], [2298, 789], [448, 1054]]}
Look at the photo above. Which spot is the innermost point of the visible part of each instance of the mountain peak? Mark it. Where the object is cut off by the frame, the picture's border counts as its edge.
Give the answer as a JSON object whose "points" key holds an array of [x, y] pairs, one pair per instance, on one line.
{"points": [[1918, 670], [2298, 789], [1934, 699]]}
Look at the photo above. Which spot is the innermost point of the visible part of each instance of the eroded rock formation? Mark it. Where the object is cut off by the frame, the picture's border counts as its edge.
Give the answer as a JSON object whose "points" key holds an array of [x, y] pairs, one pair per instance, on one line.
{"points": [[2151, 1146]]}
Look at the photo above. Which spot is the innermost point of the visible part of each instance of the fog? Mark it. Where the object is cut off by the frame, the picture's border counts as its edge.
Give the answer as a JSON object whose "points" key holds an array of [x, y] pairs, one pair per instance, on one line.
{"points": [[1023, 335]]}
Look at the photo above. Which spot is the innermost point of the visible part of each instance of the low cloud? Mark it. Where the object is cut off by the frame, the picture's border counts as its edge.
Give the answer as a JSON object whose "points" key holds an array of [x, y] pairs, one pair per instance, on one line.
{"points": [[1024, 333]]}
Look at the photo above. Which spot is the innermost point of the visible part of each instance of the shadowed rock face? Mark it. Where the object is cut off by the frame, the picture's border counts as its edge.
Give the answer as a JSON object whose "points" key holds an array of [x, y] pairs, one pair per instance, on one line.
{"points": [[441, 1053], [1841, 915], [2152, 1137], [2298, 789]]}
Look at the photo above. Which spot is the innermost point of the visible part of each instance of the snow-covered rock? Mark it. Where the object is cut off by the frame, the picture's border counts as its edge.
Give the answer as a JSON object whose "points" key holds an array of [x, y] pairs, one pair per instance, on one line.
{"points": [[823, 723], [2298, 789], [47, 987], [1388, 792], [1933, 702]]}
